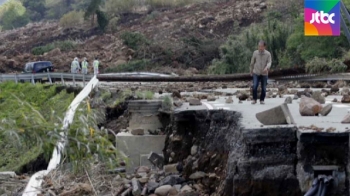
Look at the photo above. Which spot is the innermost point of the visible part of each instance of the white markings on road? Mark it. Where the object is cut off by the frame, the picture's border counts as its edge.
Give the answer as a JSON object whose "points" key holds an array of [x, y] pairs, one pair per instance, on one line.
{"points": [[210, 107]]}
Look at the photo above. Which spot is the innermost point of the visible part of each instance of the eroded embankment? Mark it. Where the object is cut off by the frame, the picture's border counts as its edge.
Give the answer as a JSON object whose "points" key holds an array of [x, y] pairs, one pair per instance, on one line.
{"points": [[202, 141]]}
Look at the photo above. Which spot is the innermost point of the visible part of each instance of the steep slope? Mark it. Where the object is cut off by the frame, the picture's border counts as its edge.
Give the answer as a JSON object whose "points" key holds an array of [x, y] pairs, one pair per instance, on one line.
{"points": [[166, 29]]}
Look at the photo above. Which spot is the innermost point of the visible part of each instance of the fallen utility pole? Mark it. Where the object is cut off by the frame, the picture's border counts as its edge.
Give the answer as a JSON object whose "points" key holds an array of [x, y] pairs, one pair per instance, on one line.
{"points": [[205, 78]]}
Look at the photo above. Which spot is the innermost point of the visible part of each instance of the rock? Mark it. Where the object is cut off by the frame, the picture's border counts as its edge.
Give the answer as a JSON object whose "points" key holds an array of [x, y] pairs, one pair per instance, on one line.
{"points": [[345, 91], [194, 150], [345, 99], [163, 190], [243, 96], [229, 100], [173, 192], [178, 103], [279, 115], [186, 188], [194, 102], [152, 186], [198, 187], [335, 100], [346, 119], [7, 174], [143, 169], [309, 106], [335, 89], [281, 88], [170, 169], [143, 180], [197, 175], [296, 97], [136, 187], [288, 100], [326, 110], [211, 98], [177, 187], [156, 159], [176, 94], [318, 97], [171, 180], [137, 132]]}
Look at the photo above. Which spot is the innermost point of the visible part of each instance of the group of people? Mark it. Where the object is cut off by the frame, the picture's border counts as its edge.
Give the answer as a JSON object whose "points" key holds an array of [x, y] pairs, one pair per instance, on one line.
{"points": [[82, 67]]}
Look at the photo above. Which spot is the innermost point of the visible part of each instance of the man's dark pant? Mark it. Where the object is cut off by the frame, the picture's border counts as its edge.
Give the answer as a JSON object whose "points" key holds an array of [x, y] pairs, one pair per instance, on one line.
{"points": [[256, 80]]}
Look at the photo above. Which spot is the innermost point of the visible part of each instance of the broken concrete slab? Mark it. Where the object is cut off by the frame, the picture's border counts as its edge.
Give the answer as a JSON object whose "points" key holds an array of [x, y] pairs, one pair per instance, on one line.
{"points": [[156, 159], [279, 115], [326, 110]]}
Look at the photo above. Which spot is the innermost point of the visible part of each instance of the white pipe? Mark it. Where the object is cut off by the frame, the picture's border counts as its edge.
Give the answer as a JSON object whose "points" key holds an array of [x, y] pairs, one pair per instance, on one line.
{"points": [[34, 184]]}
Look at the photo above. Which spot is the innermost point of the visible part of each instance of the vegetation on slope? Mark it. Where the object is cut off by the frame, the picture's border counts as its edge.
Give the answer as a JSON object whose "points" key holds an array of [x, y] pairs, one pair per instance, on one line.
{"points": [[285, 39], [31, 121]]}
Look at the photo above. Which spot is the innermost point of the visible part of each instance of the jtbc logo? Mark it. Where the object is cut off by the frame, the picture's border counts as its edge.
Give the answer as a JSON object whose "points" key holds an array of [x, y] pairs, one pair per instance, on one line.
{"points": [[316, 17]]}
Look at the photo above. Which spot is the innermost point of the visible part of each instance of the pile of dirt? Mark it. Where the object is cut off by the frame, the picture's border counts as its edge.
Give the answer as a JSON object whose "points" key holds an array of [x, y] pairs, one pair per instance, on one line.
{"points": [[166, 28]]}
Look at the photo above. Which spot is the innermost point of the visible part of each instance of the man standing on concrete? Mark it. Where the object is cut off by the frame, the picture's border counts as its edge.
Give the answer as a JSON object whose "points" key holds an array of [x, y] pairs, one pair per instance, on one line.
{"points": [[96, 64], [84, 66], [75, 65], [259, 67]]}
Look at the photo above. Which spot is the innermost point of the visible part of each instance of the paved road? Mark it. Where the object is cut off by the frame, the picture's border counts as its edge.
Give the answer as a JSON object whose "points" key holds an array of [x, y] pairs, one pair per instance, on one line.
{"points": [[249, 111]]}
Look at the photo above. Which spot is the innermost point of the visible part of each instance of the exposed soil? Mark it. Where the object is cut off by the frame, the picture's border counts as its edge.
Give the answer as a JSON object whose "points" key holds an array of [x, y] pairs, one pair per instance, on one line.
{"points": [[166, 28]]}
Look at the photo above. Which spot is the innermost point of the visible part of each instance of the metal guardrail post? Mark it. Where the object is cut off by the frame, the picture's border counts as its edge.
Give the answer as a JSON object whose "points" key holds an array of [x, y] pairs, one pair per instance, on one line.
{"points": [[16, 78], [48, 75], [74, 79], [84, 80], [62, 80], [33, 81]]}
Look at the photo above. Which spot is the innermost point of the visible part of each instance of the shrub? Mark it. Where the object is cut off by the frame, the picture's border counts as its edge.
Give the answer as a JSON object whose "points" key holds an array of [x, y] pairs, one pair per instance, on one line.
{"points": [[168, 3], [237, 51], [167, 103], [72, 19], [114, 7], [113, 24], [320, 65], [134, 40], [65, 46], [136, 65]]}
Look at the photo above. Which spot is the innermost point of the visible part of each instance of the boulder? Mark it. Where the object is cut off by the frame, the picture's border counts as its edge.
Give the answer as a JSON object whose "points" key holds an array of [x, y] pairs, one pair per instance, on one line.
{"points": [[335, 89], [211, 98], [288, 100], [137, 132], [243, 96], [309, 106], [170, 169], [326, 110], [276, 116], [346, 119], [345, 99], [345, 91], [186, 188], [197, 175], [296, 97], [317, 95], [152, 186], [194, 102], [163, 190], [194, 150], [229, 100]]}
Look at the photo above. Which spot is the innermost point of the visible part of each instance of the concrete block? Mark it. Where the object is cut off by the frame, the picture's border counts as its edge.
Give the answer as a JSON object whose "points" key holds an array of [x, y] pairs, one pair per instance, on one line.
{"points": [[279, 115], [134, 147], [145, 121]]}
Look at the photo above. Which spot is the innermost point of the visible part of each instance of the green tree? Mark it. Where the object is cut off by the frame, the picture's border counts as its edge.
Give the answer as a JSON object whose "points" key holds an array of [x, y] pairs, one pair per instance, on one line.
{"points": [[13, 15], [35, 9], [305, 48], [91, 10]]}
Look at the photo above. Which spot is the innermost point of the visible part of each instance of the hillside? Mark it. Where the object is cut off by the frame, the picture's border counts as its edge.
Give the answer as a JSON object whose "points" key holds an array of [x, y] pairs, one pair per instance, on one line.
{"points": [[167, 32]]}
